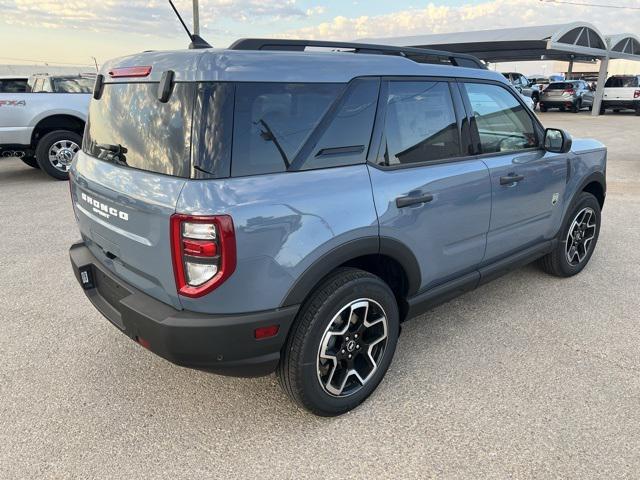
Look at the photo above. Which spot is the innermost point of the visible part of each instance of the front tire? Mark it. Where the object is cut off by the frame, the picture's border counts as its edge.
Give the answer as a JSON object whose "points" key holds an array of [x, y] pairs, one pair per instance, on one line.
{"points": [[56, 150], [341, 344], [578, 238]]}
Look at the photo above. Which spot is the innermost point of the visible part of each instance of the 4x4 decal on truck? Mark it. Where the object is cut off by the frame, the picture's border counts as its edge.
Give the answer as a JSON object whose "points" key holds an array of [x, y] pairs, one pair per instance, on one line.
{"points": [[13, 103]]}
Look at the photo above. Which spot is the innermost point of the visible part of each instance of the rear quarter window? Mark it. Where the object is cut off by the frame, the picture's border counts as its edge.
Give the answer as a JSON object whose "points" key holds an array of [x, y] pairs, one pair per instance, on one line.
{"points": [[273, 120]]}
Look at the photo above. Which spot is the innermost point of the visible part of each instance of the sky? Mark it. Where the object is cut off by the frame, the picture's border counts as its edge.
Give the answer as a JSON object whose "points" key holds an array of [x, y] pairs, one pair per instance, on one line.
{"points": [[72, 32]]}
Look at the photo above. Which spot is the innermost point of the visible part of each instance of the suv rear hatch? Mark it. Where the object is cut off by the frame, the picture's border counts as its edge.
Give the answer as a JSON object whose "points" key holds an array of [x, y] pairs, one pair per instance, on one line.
{"points": [[126, 182], [622, 88]]}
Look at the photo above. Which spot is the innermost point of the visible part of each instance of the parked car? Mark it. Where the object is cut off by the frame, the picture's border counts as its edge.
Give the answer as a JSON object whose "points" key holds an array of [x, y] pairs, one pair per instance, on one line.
{"points": [[43, 125], [13, 84], [540, 81], [524, 86], [573, 95], [246, 210], [621, 92]]}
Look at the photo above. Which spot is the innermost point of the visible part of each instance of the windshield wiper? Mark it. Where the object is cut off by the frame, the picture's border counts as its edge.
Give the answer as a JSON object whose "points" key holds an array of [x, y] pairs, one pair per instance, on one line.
{"points": [[116, 150], [269, 136]]}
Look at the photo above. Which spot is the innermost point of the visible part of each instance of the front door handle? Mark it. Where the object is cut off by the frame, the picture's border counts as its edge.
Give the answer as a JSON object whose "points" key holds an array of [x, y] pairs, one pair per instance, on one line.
{"points": [[509, 179], [402, 202]]}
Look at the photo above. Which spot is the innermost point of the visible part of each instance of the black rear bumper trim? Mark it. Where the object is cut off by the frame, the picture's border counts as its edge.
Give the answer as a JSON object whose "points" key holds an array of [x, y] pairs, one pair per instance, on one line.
{"points": [[223, 344]]}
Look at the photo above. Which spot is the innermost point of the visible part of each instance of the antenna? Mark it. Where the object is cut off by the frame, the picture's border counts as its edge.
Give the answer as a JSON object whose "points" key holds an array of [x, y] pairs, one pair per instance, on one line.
{"points": [[196, 40]]}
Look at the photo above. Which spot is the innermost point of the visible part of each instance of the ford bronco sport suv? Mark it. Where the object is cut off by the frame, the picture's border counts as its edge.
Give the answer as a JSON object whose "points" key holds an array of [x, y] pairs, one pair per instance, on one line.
{"points": [[273, 207]]}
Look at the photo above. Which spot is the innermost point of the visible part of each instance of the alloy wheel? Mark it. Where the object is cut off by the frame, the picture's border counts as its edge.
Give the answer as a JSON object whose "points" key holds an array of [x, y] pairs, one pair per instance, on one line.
{"points": [[580, 236], [352, 347], [61, 154]]}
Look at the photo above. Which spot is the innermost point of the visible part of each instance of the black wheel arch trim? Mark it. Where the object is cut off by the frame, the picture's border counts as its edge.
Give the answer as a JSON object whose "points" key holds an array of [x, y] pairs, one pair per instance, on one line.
{"points": [[349, 251], [597, 177]]}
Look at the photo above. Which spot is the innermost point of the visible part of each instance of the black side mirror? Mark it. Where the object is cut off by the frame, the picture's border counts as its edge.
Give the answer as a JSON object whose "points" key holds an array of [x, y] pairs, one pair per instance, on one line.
{"points": [[557, 140]]}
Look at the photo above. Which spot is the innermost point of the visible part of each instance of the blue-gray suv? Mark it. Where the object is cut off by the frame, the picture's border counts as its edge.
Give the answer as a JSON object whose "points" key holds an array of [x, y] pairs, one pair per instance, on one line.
{"points": [[286, 205]]}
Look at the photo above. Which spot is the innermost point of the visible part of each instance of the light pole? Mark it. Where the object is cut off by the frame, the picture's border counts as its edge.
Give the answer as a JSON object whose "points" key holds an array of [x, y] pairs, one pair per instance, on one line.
{"points": [[196, 17]]}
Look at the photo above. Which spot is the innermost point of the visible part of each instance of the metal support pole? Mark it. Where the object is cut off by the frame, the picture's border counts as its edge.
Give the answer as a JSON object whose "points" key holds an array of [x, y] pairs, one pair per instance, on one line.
{"points": [[196, 17], [602, 78], [570, 70]]}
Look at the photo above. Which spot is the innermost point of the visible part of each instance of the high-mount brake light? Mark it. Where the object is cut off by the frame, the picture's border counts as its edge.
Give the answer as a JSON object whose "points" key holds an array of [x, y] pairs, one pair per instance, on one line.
{"points": [[123, 72], [204, 252]]}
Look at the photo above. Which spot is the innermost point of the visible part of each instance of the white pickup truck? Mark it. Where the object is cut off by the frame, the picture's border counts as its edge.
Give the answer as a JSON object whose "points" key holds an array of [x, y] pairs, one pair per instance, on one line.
{"points": [[44, 126], [621, 92]]}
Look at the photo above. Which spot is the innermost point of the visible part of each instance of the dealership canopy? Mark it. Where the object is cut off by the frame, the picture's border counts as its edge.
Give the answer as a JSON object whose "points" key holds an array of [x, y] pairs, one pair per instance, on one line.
{"points": [[571, 42]]}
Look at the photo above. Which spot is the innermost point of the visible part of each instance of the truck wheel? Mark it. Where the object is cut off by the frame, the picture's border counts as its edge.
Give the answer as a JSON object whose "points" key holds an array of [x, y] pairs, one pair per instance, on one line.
{"points": [[578, 238], [341, 344], [637, 111], [602, 110], [31, 161], [56, 150]]}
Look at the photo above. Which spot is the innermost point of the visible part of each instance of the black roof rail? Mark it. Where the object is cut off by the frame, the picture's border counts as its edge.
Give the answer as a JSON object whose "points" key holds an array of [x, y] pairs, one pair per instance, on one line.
{"points": [[420, 55]]}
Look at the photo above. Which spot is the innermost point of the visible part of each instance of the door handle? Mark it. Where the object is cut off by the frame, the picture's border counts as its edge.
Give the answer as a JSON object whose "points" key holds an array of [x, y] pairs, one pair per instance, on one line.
{"points": [[402, 202], [512, 178]]}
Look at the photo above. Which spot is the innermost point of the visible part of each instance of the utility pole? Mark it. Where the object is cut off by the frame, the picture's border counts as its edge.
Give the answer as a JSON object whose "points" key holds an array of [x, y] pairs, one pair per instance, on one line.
{"points": [[196, 17]]}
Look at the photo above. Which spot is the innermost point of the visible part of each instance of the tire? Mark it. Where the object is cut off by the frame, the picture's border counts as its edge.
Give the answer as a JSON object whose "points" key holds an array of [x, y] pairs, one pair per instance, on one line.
{"points": [[307, 376], [31, 161], [557, 262], [543, 108], [637, 111], [562, 109], [69, 143], [535, 102], [602, 110]]}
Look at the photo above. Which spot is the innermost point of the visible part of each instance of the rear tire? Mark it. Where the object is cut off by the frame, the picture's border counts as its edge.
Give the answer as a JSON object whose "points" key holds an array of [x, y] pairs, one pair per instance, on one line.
{"points": [[346, 332], [577, 106], [543, 108], [580, 229], [602, 110], [31, 161], [56, 150], [637, 111]]}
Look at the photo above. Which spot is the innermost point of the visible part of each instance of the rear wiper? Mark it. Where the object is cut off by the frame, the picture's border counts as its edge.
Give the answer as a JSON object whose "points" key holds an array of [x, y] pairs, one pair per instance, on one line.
{"points": [[269, 136], [117, 150]]}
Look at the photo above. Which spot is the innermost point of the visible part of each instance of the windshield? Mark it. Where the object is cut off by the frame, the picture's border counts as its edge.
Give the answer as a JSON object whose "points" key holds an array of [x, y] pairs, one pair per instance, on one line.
{"points": [[128, 125], [73, 85], [622, 82]]}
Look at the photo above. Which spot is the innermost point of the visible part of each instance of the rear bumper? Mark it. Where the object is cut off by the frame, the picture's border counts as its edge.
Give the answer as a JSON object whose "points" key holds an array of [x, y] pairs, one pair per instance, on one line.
{"points": [[15, 135], [631, 104], [223, 344], [557, 103]]}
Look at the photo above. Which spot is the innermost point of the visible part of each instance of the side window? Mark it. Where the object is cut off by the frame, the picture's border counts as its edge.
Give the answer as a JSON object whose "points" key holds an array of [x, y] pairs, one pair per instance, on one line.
{"points": [[420, 123], [273, 120], [346, 139], [502, 122]]}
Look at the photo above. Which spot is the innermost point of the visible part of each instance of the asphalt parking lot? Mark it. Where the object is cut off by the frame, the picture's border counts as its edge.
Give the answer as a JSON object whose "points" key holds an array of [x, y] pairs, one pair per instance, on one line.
{"points": [[529, 376]]}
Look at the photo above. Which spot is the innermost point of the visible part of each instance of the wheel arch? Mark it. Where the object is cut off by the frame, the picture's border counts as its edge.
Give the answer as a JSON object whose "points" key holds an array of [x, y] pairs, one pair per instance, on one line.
{"points": [[51, 123], [385, 257], [596, 185]]}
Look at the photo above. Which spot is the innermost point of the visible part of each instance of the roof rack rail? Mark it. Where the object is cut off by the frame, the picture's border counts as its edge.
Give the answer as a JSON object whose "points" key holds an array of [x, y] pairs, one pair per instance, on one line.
{"points": [[420, 55]]}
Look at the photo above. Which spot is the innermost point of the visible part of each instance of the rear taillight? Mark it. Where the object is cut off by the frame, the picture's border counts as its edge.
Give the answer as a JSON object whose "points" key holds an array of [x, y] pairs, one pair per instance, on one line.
{"points": [[203, 251], [636, 94]]}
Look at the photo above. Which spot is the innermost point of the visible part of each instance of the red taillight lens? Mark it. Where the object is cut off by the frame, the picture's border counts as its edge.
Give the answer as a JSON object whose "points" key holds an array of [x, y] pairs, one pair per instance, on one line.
{"points": [[203, 251], [130, 72], [636, 94]]}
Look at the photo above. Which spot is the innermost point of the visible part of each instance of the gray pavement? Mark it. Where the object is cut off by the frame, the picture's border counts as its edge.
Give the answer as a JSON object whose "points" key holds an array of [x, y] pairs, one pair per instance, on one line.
{"points": [[527, 377]]}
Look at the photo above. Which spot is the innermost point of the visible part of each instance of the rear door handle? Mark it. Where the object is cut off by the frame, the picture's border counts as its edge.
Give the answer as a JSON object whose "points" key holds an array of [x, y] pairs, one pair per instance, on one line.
{"points": [[509, 179], [402, 202]]}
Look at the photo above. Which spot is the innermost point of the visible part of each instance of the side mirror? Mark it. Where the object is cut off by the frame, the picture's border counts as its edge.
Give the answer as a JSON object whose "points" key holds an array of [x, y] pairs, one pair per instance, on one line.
{"points": [[557, 140]]}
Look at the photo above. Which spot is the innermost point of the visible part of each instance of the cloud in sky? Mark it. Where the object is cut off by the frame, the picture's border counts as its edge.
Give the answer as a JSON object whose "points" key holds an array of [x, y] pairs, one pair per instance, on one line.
{"points": [[152, 17], [480, 16]]}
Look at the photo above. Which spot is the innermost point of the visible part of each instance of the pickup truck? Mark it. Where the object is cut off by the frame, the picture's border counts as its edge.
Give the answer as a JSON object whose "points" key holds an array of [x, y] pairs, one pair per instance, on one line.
{"points": [[43, 126]]}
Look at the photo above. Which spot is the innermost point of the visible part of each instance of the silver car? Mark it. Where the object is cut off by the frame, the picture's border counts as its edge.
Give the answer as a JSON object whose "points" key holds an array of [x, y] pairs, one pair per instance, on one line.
{"points": [[573, 95]]}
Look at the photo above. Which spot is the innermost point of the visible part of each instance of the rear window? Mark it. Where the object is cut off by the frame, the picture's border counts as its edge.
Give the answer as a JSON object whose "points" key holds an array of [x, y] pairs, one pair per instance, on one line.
{"points": [[13, 85], [155, 135], [622, 82], [73, 85], [560, 86]]}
